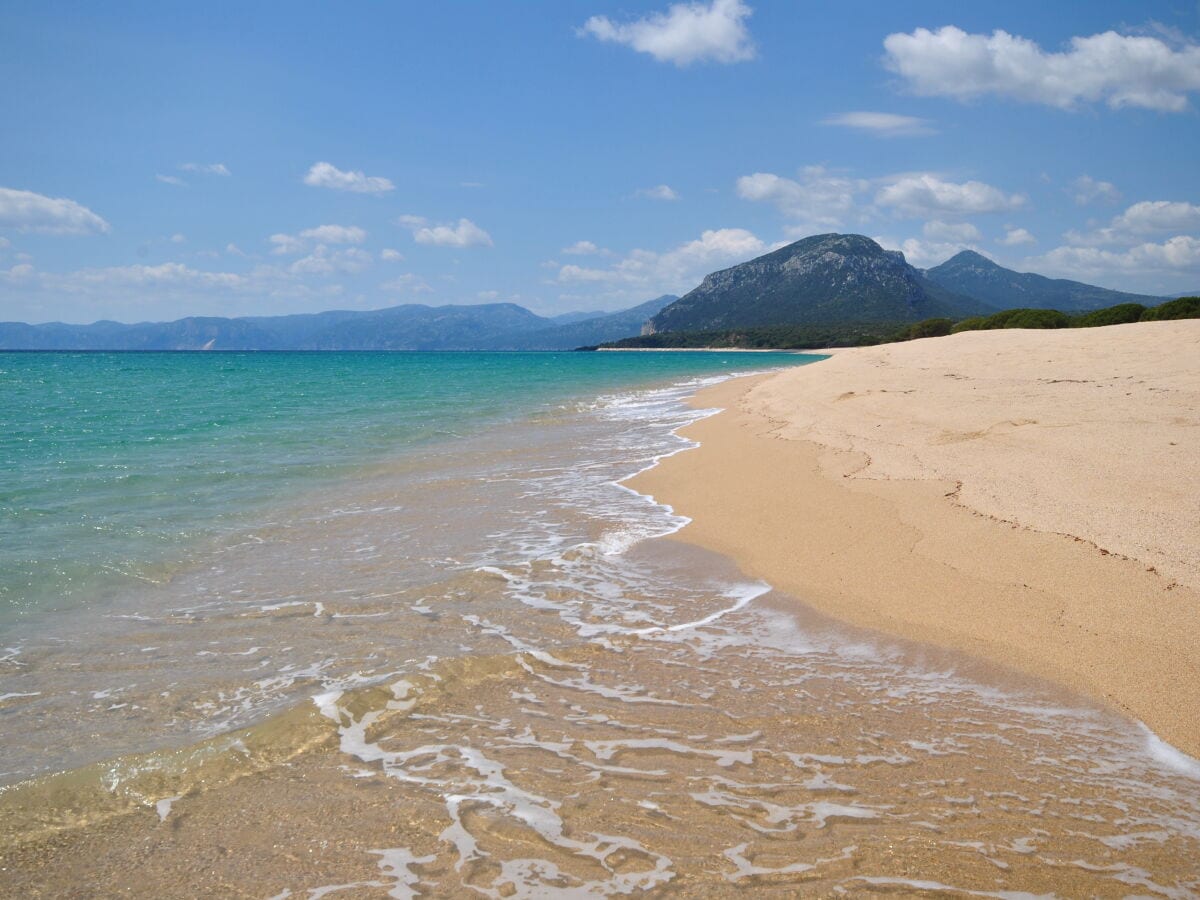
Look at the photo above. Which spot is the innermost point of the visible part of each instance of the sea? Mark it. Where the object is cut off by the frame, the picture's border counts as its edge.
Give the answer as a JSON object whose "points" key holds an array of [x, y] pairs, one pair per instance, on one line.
{"points": [[392, 625]]}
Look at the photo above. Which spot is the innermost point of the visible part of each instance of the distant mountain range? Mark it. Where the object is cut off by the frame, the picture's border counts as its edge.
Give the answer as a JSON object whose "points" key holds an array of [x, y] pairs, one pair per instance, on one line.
{"points": [[828, 281], [974, 275], [821, 280], [490, 326]]}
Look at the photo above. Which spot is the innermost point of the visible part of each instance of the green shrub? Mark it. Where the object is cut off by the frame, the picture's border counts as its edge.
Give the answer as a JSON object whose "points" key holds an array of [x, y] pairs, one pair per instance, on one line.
{"points": [[930, 328], [1183, 308], [975, 323], [1027, 318], [1121, 314]]}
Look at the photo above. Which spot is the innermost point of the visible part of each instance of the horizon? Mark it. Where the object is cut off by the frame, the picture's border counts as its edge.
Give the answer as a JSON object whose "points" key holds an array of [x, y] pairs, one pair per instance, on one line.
{"points": [[481, 303], [178, 163]]}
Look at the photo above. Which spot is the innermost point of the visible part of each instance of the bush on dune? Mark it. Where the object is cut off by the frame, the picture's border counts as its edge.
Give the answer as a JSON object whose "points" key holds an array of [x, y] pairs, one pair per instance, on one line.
{"points": [[1121, 314], [1183, 308]]}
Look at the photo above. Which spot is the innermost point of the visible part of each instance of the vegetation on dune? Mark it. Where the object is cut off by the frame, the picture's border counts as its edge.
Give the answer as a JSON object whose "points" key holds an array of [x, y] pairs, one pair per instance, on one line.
{"points": [[1121, 314], [1183, 308], [798, 337]]}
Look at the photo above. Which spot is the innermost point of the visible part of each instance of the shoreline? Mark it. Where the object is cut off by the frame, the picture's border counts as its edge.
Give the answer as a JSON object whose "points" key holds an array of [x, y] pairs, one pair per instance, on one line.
{"points": [[856, 514]]}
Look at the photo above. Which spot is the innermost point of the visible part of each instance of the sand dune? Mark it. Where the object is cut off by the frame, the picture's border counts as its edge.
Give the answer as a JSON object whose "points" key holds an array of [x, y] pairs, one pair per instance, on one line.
{"points": [[1032, 497]]}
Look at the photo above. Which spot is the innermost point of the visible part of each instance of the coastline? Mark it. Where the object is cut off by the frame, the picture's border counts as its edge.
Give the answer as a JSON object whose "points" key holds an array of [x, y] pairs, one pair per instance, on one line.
{"points": [[880, 487]]}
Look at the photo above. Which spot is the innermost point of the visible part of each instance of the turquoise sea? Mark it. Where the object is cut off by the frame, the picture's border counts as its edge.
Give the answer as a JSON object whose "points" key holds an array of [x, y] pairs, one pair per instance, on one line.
{"points": [[397, 624], [116, 465]]}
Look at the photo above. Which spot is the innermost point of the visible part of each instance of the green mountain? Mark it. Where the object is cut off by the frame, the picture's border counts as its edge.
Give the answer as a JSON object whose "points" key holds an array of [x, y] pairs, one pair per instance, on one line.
{"points": [[976, 276], [827, 279]]}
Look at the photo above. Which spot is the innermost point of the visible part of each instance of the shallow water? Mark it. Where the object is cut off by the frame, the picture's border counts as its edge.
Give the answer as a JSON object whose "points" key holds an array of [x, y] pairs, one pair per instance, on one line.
{"points": [[491, 671]]}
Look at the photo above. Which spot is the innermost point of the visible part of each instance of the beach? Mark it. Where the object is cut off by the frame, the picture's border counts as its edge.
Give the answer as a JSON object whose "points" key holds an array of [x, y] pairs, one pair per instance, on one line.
{"points": [[480, 660], [1029, 497]]}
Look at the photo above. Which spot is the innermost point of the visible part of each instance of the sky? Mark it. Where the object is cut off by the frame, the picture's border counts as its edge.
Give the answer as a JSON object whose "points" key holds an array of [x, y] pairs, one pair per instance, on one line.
{"points": [[161, 160]]}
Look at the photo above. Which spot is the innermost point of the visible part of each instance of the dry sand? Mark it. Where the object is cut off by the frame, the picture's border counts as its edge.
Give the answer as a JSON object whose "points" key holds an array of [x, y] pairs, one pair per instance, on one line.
{"points": [[1031, 497]]}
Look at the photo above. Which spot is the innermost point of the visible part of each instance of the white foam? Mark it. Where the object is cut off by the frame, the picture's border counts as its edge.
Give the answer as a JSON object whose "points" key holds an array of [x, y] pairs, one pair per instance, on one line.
{"points": [[1164, 754]]}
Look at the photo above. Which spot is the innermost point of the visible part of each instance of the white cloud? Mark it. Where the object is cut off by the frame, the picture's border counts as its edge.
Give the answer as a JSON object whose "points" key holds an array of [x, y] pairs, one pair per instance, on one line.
{"points": [[1120, 70], [463, 234], [658, 192], [27, 211], [1151, 216], [178, 239], [583, 248], [1086, 189], [171, 180], [335, 234], [882, 124], [406, 284], [323, 261], [1148, 217], [205, 168], [5, 243], [960, 232], [1015, 236], [1175, 255], [676, 270], [165, 274], [819, 198], [924, 253], [487, 295], [923, 194], [390, 255], [684, 34], [234, 250], [326, 175], [286, 244]]}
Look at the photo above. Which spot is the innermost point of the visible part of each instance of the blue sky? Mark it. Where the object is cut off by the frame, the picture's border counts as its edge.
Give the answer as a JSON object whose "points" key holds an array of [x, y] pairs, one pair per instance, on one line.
{"points": [[163, 160]]}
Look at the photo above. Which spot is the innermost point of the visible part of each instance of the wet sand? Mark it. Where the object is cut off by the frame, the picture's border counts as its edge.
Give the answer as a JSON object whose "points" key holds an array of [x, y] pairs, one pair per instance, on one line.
{"points": [[1030, 497]]}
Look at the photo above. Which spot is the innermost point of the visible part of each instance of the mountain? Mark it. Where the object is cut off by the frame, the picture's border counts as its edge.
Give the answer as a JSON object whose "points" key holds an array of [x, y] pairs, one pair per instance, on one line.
{"points": [[976, 276], [498, 326], [598, 330], [821, 280]]}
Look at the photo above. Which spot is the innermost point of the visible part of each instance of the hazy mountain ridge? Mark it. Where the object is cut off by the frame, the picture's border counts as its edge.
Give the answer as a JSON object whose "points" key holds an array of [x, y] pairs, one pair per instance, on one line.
{"points": [[820, 280], [499, 326], [974, 275]]}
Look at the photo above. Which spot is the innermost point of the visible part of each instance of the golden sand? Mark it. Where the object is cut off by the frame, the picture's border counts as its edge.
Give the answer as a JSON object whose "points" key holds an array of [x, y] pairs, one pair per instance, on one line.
{"points": [[1031, 497]]}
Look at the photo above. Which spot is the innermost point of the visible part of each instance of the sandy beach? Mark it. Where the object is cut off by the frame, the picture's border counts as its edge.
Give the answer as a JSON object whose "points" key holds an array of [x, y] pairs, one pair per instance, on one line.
{"points": [[1030, 497]]}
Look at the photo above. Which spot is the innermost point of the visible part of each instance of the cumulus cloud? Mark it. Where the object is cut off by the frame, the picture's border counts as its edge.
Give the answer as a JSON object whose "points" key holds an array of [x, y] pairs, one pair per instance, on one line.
{"points": [[961, 232], [171, 180], [676, 270], [1014, 237], [582, 248], [206, 168], [406, 284], [327, 175], [178, 238], [882, 124], [658, 192], [818, 198], [1179, 254], [1148, 217], [686, 33], [27, 211], [287, 244], [923, 194], [390, 255], [1120, 70], [1086, 189], [464, 233], [924, 253], [324, 261]]}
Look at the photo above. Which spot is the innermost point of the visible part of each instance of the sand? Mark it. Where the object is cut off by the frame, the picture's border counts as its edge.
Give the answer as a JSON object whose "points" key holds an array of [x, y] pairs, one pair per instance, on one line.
{"points": [[1030, 497]]}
